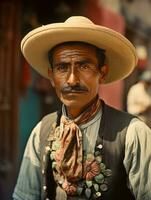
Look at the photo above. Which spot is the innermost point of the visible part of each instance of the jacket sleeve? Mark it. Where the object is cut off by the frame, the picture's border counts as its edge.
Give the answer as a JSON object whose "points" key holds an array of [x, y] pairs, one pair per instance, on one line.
{"points": [[138, 159], [29, 180]]}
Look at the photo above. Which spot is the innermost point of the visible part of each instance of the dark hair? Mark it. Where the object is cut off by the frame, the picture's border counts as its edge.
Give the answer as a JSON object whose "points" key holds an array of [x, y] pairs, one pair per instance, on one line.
{"points": [[100, 53]]}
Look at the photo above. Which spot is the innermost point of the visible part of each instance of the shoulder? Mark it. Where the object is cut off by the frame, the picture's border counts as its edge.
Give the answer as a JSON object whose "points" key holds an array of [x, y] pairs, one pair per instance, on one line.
{"points": [[138, 126], [117, 115], [41, 127], [51, 116], [115, 123], [32, 146], [34, 136], [39, 135], [48, 121], [138, 133]]}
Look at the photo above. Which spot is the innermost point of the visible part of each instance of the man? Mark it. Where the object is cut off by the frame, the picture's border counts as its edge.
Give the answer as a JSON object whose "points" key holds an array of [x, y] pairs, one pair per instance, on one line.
{"points": [[87, 150], [139, 98]]}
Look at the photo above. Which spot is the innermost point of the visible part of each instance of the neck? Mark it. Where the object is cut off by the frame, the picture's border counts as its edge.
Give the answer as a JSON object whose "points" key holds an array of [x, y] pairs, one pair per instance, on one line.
{"points": [[74, 112]]}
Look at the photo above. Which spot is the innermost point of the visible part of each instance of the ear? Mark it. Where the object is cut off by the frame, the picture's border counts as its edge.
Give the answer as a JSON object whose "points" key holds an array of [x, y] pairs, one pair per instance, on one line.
{"points": [[50, 76], [103, 73]]}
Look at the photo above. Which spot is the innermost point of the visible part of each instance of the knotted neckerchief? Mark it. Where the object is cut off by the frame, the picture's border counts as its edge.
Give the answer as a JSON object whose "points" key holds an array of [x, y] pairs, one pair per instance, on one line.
{"points": [[68, 144]]}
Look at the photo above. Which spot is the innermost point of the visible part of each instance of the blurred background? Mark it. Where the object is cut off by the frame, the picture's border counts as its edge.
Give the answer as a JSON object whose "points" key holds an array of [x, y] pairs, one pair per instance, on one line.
{"points": [[25, 97]]}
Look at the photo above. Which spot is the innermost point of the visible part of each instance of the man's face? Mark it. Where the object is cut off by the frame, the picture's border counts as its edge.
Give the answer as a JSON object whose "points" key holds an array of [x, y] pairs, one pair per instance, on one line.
{"points": [[76, 74]]}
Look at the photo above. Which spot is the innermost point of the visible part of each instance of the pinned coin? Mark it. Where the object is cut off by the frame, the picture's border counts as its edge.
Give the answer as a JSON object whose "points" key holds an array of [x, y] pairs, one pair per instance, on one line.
{"points": [[108, 172], [103, 187]]}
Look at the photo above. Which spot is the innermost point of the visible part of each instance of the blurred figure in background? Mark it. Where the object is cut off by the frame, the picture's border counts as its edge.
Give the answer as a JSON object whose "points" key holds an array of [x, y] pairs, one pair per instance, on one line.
{"points": [[139, 98]]}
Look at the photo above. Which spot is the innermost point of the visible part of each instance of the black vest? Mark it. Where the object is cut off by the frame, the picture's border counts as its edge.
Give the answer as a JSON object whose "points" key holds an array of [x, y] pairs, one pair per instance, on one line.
{"points": [[112, 134]]}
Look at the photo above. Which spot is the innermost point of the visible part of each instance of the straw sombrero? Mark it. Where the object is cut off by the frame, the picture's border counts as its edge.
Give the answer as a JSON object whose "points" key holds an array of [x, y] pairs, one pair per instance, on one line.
{"points": [[120, 53]]}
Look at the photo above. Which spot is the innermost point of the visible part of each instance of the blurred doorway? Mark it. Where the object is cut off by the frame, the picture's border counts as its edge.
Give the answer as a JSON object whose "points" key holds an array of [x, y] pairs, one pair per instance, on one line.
{"points": [[9, 62]]}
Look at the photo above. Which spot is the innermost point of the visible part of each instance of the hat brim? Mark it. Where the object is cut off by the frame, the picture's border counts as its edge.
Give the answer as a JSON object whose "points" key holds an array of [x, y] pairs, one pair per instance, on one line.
{"points": [[120, 53]]}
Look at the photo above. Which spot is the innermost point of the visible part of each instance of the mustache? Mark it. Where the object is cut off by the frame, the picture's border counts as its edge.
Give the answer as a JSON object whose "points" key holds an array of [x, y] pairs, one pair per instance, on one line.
{"points": [[74, 88]]}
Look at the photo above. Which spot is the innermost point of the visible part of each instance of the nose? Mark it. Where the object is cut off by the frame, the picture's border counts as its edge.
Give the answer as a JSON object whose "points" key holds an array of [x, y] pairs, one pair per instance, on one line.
{"points": [[73, 78]]}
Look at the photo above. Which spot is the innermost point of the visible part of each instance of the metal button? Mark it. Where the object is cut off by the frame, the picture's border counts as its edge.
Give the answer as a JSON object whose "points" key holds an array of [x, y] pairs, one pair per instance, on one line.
{"points": [[100, 146], [98, 194], [47, 148], [44, 158], [44, 187]]}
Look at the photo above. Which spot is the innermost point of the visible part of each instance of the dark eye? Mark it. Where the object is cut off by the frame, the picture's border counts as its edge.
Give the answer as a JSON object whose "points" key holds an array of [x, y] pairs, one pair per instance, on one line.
{"points": [[85, 66], [61, 68]]}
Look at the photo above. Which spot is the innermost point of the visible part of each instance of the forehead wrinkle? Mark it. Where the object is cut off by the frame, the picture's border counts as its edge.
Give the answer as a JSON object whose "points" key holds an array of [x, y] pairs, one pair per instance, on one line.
{"points": [[71, 52], [74, 53], [67, 55]]}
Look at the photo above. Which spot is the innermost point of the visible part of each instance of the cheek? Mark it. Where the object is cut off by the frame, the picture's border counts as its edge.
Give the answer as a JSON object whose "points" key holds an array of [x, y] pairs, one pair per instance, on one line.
{"points": [[93, 81], [58, 83], [92, 85]]}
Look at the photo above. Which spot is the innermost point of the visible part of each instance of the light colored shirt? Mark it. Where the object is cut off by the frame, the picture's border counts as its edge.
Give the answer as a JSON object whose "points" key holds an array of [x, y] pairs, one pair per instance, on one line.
{"points": [[137, 159]]}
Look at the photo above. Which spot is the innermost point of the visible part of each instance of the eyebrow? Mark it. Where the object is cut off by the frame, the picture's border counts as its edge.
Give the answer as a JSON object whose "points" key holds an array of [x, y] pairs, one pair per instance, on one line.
{"points": [[60, 63]]}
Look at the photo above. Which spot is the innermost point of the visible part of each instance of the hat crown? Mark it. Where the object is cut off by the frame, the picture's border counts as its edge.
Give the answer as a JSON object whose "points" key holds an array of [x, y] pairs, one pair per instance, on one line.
{"points": [[78, 20]]}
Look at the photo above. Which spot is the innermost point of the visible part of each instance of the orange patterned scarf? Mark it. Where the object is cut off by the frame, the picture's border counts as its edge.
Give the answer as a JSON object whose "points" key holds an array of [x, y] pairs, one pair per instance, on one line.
{"points": [[69, 151]]}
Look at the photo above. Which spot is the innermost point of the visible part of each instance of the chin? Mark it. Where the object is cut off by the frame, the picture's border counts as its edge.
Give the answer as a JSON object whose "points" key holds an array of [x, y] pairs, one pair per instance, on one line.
{"points": [[71, 103], [76, 101]]}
